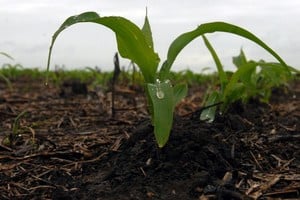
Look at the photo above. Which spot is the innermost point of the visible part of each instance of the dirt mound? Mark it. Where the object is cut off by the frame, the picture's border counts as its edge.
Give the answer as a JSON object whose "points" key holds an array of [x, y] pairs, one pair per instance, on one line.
{"points": [[252, 152]]}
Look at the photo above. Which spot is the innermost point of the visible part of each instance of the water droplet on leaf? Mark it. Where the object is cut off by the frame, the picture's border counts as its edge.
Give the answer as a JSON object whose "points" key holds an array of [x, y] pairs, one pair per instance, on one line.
{"points": [[160, 94]]}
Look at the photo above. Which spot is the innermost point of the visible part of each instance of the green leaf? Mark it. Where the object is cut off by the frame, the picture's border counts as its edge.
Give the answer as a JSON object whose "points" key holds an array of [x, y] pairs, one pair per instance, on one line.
{"points": [[180, 91], [278, 67], [240, 59], [234, 93], [233, 88], [209, 113], [162, 98], [6, 55], [16, 122], [183, 40], [131, 41], [249, 79], [222, 75], [147, 31], [273, 74]]}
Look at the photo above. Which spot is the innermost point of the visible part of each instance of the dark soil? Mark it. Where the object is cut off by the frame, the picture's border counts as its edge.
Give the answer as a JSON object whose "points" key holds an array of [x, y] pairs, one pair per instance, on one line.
{"points": [[70, 144]]}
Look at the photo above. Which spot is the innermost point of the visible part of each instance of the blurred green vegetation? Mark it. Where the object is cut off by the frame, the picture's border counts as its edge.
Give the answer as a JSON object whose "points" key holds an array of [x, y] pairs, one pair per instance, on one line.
{"points": [[95, 76]]}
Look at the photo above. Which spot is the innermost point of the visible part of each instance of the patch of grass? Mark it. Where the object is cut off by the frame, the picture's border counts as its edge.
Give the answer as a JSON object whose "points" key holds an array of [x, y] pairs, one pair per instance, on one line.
{"points": [[94, 76], [192, 78], [14, 72]]}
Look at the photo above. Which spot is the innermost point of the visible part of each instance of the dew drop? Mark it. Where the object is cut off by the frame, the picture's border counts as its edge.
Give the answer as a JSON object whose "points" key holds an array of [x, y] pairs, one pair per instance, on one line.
{"points": [[160, 94]]}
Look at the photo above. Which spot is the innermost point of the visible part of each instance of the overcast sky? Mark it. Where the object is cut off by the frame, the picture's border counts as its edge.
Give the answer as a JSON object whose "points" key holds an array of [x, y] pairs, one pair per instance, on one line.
{"points": [[26, 28]]}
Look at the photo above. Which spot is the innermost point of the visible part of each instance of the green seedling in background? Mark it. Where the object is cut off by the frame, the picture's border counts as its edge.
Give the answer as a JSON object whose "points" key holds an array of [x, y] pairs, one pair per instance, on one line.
{"points": [[3, 76], [11, 138], [251, 79], [136, 44]]}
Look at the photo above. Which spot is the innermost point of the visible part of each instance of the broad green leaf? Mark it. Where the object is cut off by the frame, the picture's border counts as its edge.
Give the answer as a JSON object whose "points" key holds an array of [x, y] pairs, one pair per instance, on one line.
{"points": [[240, 59], [183, 40], [222, 75], [209, 113], [249, 78], [162, 97], [231, 92], [273, 74], [147, 31], [234, 93], [180, 91], [279, 66], [242, 71], [269, 76], [131, 41]]}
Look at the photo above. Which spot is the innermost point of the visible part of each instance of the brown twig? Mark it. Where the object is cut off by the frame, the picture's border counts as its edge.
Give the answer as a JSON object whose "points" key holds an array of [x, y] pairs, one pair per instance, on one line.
{"points": [[116, 74]]}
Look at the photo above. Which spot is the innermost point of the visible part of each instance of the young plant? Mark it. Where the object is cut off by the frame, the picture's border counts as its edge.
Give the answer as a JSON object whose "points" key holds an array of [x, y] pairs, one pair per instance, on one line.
{"points": [[2, 76], [13, 136], [137, 45], [251, 79]]}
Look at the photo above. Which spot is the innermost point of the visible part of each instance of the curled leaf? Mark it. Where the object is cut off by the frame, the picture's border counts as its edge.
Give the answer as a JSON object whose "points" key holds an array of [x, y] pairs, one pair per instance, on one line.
{"points": [[132, 43]]}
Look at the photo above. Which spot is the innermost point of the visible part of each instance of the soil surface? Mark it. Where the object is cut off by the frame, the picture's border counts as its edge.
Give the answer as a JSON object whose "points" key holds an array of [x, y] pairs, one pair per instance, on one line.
{"points": [[67, 142]]}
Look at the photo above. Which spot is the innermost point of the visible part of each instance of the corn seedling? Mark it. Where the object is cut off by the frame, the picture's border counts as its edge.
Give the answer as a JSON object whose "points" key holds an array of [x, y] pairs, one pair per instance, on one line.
{"points": [[251, 79], [12, 71], [3, 76], [12, 137], [136, 44]]}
